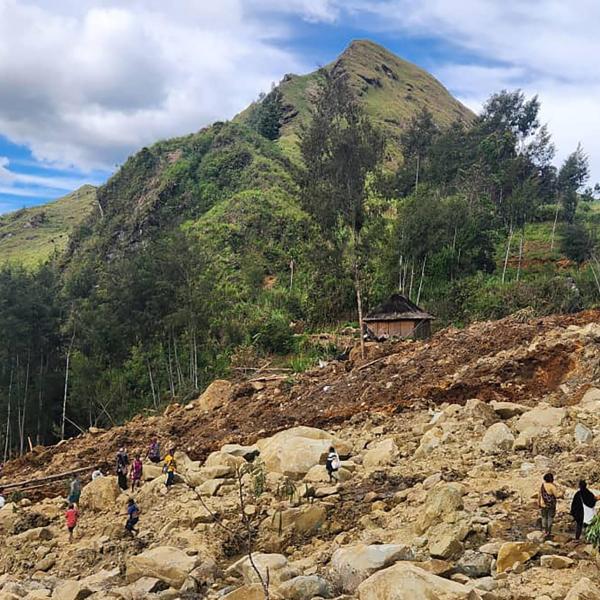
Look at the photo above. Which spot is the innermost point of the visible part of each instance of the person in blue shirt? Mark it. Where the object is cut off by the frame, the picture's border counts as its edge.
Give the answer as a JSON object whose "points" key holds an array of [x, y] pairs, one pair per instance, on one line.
{"points": [[133, 516]]}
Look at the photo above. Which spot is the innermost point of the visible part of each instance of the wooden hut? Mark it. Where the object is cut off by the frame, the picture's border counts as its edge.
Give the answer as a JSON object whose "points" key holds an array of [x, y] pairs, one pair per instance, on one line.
{"points": [[398, 317]]}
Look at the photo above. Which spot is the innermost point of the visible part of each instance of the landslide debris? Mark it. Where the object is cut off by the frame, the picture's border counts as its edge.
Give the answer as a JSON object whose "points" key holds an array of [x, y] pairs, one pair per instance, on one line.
{"points": [[443, 446]]}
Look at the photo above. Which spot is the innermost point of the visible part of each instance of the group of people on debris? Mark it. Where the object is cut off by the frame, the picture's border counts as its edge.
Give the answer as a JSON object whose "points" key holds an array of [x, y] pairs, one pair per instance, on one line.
{"points": [[583, 505], [135, 471]]}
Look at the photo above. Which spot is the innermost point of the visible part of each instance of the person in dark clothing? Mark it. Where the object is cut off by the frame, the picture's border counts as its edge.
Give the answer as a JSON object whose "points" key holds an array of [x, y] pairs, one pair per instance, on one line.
{"points": [[122, 465], [583, 508], [133, 516]]}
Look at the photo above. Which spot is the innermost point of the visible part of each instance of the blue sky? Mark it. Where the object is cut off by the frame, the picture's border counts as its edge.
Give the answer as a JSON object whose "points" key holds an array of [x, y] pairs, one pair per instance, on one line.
{"points": [[87, 82]]}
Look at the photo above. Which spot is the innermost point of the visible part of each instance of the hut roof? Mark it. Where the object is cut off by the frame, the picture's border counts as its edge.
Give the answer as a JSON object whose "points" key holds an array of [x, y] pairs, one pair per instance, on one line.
{"points": [[398, 308]]}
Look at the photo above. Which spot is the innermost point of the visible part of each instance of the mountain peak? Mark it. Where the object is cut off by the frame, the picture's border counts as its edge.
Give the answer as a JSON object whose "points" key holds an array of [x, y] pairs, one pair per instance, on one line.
{"points": [[391, 89]]}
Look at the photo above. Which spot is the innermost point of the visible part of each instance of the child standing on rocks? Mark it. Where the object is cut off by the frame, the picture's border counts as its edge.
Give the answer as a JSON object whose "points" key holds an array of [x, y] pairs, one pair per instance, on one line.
{"points": [[72, 515]]}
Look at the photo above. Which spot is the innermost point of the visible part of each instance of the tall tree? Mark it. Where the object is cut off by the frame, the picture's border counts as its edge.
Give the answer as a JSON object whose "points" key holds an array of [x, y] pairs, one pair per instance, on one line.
{"points": [[417, 140], [340, 148], [573, 174]]}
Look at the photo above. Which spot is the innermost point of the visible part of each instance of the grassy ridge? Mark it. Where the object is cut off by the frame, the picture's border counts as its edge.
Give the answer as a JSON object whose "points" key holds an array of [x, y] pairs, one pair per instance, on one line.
{"points": [[31, 235]]}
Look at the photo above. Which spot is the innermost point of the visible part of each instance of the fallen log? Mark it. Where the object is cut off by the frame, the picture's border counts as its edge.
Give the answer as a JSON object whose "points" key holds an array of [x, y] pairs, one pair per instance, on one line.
{"points": [[44, 480]]}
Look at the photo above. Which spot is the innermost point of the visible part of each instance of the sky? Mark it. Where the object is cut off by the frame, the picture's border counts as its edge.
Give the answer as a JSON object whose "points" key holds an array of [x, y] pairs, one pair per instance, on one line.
{"points": [[85, 83]]}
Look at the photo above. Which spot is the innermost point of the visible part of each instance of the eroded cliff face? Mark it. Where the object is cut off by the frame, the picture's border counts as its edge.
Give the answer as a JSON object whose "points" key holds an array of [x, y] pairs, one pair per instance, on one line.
{"points": [[443, 446]]}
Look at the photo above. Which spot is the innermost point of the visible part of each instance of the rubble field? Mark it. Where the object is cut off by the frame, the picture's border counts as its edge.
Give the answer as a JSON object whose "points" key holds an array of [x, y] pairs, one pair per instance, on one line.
{"points": [[443, 445]]}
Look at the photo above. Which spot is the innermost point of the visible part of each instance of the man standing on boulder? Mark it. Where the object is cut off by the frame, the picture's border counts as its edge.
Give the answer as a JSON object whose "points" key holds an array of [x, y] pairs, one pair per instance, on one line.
{"points": [[170, 467], [75, 491], [547, 501]]}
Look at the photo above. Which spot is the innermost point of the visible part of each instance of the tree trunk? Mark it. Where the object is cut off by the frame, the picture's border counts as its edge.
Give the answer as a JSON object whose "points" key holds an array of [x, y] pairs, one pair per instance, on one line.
{"points": [[64, 408], [417, 175], [520, 254], [8, 407], [421, 281], [24, 411], [554, 227], [151, 384], [510, 235]]}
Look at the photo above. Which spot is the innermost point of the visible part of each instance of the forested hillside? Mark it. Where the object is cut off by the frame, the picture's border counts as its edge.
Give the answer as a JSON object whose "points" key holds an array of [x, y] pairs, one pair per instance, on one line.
{"points": [[231, 245]]}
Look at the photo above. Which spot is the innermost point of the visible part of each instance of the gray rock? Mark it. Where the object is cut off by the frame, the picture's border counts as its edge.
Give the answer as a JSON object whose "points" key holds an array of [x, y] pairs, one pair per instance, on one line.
{"points": [[583, 434], [475, 564]]}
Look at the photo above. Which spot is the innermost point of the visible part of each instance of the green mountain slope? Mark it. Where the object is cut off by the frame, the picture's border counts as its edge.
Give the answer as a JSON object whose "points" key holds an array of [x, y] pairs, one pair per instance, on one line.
{"points": [[391, 89], [31, 235]]}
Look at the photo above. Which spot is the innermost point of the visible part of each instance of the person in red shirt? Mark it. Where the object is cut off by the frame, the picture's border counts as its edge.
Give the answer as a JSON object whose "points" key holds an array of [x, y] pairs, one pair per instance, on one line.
{"points": [[72, 516]]}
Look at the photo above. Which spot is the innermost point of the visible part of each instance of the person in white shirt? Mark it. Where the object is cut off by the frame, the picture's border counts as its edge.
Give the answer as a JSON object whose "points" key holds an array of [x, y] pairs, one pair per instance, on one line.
{"points": [[2, 500], [332, 464], [97, 473]]}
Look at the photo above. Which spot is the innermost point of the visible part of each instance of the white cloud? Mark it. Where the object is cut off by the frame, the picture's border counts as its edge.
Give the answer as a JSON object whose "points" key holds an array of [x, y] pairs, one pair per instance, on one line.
{"points": [[545, 47], [88, 82]]}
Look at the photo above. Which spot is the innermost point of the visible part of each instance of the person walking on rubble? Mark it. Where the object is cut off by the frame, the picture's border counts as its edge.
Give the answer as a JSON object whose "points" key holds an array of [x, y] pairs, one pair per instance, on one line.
{"points": [[136, 472], [332, 464], [74, 491], [72, 516], [547, 499], [170, 468], [583, 508], [122, 464], [133, 516], [154, 451]]}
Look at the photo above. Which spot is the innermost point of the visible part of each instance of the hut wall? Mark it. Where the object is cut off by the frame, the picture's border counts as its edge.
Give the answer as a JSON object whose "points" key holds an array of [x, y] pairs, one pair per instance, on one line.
{"points": [[400, 329]]}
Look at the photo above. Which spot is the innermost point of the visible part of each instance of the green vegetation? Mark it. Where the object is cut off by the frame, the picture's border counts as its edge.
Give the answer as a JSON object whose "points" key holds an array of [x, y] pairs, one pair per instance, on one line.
{"points": [[215, 248], [31, 236]]}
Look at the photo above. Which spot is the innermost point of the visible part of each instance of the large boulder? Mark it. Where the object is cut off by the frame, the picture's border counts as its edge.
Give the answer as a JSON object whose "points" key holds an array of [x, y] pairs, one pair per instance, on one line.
{"points": [[498, 439], [480, 411], [514, 552], [9, 515], [352, 565], [100, 494], [382, 454], [217, 394], [541, 418], [429, 442], [405, 581], [305, 587], [166, 563], [584, 589], [475, 564], [303, 519], [442, 503], [254, 591], [274, 565], [294, 451], [445, 541], [71, 590], [508, 410], [248, 453]]}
